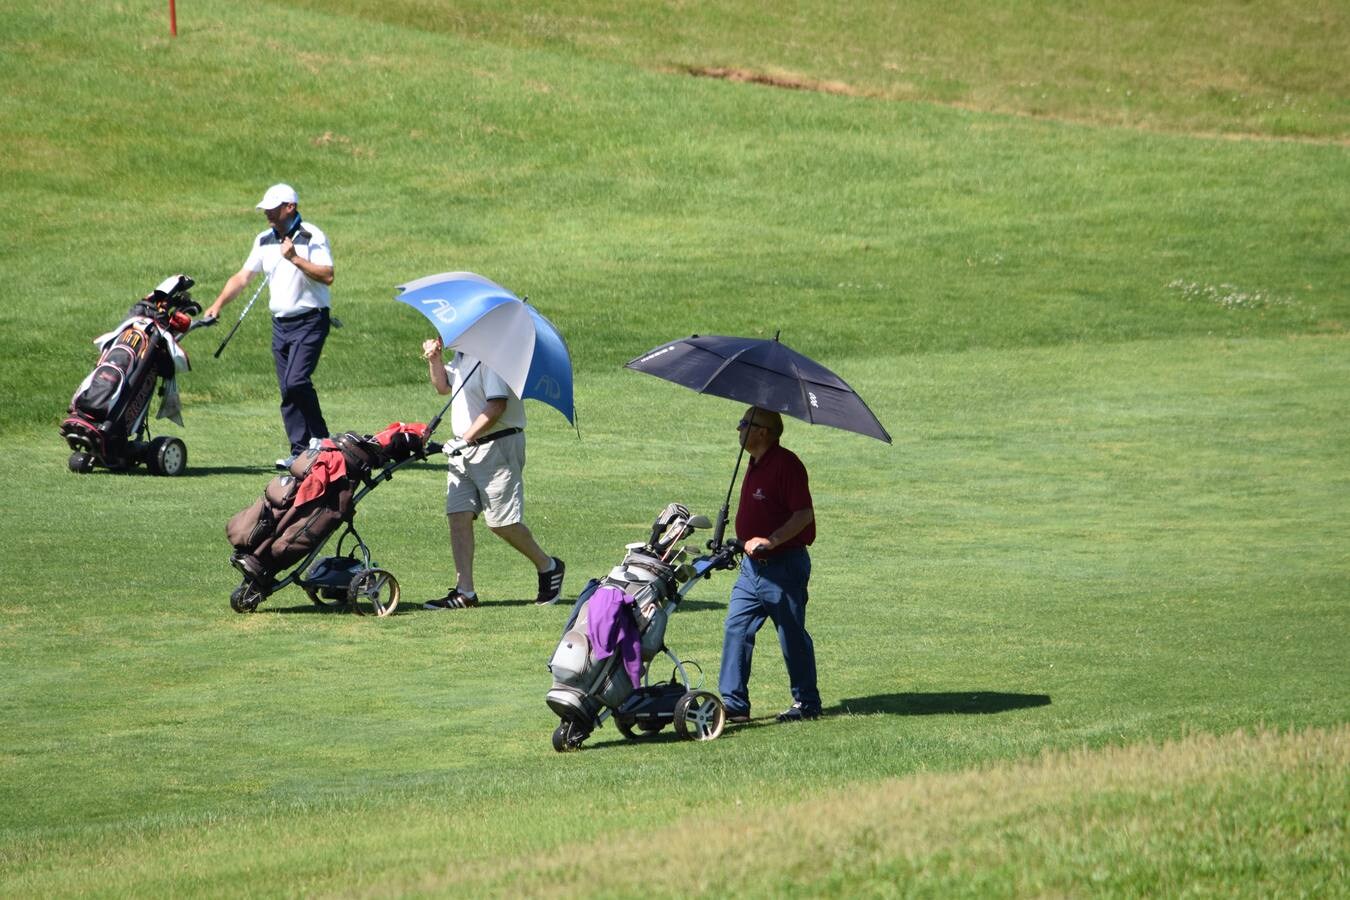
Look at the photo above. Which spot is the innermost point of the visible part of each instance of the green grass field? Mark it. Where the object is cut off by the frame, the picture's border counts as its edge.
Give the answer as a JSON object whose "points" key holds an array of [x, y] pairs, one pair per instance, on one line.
{"points": [[1082, 630]]}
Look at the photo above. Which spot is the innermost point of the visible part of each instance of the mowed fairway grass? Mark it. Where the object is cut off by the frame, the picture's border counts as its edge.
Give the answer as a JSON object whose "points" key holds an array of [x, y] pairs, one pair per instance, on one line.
{"points": [[1082, 629]]}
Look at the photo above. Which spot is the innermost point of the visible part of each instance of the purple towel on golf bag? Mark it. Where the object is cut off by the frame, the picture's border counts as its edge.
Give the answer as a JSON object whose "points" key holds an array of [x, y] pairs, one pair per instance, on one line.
{"points": [[611, 628]]}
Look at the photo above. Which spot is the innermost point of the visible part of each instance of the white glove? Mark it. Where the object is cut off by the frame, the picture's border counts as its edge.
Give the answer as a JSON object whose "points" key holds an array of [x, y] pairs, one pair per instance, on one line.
{"points": [[454, 447]]}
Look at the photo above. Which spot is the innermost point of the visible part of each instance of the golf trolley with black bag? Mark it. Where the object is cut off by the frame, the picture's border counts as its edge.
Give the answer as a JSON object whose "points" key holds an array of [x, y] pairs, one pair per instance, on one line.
{"points": [[108, 422], [299, 511], [616, 632]]}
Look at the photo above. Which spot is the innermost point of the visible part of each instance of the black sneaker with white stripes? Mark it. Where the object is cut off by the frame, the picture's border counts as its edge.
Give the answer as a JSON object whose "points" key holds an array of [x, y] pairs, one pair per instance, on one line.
{"points": [[453, 600], [550, 584]]}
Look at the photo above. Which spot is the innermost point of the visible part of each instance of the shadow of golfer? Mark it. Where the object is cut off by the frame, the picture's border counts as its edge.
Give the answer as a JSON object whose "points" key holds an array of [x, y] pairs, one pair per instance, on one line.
{"points": [[943, 704]]}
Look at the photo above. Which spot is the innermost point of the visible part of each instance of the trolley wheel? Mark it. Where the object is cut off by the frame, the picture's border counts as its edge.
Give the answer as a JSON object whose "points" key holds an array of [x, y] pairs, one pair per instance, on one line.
{"points": [[167, 456], [638, 729], [700, 716], [80, 462], [377, 587], [246, 598], [567, 737]]}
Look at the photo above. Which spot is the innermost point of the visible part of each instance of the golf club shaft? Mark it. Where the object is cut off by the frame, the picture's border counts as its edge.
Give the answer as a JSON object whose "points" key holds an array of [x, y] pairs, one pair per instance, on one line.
{"points": [[674, 547], [435, 423], [247, 307]]}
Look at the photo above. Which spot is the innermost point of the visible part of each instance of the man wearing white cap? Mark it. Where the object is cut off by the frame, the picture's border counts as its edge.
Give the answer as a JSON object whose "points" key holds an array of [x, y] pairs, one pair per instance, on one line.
{"points": [[299, 268]]}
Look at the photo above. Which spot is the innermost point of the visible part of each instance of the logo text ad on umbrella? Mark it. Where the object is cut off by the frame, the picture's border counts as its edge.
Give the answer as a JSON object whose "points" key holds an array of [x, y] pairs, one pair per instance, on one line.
{"points": [[651, 356], [547, 387], [441, 310], [811, 396]]}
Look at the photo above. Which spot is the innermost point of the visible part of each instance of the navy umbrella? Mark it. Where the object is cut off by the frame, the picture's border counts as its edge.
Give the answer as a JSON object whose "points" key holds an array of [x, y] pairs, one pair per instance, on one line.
{"points": [[763, 373]]}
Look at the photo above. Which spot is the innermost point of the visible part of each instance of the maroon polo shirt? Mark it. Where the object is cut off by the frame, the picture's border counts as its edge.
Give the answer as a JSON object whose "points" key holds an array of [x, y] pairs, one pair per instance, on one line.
{"points": [[775, 486]]}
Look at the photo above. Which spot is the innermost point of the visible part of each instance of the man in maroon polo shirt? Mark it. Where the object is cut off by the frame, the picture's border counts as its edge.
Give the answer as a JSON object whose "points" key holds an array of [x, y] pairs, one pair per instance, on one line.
{"points": [[775, 522]]}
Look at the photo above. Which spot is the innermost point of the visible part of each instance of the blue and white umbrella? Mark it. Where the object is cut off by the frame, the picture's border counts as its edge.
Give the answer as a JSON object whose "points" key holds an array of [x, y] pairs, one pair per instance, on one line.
{"points": [[482, 319]]}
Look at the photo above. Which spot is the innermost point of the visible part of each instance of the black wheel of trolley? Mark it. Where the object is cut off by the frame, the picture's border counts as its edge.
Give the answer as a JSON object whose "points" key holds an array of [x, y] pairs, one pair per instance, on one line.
{"points": [[167, 456], [376, 587], [246, 598], [80, 462], [700, 716], [568, 736], [638, 729]]}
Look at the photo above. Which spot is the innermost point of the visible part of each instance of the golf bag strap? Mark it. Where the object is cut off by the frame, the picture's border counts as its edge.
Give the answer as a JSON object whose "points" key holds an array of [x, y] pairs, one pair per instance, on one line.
{"points": [[660, 571]]}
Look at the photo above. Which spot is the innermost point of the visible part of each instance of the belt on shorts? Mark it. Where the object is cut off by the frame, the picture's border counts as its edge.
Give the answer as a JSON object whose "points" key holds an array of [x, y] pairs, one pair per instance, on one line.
{"points": [[505, 432]]}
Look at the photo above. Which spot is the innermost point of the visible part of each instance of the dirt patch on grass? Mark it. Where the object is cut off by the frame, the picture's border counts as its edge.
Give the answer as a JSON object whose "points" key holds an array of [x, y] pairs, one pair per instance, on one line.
{"points": [[793, 82], [785, 80]]}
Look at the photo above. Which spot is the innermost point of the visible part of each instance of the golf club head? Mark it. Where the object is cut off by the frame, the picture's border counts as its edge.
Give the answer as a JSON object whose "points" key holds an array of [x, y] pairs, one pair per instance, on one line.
{"points": [[696, 522]]}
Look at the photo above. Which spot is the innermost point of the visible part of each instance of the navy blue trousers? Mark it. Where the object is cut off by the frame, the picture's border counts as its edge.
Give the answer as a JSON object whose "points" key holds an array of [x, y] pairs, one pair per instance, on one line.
{"points": [[770, 589], [296, 345]]}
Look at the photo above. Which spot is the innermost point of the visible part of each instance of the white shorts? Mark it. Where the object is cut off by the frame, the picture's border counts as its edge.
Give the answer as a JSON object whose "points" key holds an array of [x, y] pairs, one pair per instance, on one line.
{"points": [[489, 479]]}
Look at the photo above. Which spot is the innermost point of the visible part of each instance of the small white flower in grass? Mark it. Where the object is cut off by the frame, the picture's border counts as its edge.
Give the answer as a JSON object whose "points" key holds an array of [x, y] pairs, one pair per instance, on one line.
{"points": [[1227, 296]]}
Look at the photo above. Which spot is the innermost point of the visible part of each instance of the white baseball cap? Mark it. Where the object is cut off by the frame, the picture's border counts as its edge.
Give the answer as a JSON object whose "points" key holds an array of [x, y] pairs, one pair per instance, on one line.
{"points": [[278, 194]]}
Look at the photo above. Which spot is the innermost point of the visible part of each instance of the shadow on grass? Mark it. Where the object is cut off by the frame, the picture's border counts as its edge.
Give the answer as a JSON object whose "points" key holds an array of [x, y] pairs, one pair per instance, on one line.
{"points": [[668, 734], [405, 607], [943, 704], [192, 472], [700, 605], [204, 471]]}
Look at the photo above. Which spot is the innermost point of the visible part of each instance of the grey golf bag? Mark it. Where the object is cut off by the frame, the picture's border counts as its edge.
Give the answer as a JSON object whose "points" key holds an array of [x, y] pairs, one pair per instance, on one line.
{"points": [[618, 627]]}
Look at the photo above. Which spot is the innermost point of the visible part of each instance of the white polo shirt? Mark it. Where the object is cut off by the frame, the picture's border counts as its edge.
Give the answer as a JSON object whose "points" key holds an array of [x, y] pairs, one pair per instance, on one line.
{"points": [[483, 385], [292, 292]]}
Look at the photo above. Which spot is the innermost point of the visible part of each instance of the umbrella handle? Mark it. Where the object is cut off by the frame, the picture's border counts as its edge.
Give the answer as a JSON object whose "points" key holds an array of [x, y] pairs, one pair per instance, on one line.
{"points": [[725, 512]]}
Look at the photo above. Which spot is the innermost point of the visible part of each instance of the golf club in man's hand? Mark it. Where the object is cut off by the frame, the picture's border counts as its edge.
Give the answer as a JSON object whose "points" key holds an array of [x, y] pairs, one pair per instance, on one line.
{"points": [[240, 320]]}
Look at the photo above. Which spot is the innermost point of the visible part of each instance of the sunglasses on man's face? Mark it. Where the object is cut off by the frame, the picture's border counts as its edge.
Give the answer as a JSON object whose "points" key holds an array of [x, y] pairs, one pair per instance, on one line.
{"points": [[746, 423]]}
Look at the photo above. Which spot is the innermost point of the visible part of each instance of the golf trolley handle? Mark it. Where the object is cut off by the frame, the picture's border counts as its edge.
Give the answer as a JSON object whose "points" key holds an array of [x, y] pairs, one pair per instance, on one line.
{"points": [[723, 557], [387, 472]]}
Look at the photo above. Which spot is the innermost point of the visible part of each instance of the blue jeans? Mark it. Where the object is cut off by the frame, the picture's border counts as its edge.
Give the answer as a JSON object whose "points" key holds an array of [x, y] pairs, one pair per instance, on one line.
{"points": [[772, 588], [296, 345]]}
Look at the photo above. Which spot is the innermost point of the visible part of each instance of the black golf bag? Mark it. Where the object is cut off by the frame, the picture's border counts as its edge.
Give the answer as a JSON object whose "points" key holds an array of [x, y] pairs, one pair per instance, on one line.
{"points": [[107, 422]]}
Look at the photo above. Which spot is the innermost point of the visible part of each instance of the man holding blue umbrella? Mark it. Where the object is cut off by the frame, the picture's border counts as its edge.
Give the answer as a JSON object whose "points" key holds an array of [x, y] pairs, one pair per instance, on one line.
{"points": [[506, 350], [486, 468]]}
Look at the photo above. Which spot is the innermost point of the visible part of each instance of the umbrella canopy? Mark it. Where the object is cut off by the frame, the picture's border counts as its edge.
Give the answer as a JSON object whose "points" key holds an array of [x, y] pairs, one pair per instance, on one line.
{"points": [[482, 319], [762, 373]]}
